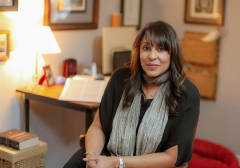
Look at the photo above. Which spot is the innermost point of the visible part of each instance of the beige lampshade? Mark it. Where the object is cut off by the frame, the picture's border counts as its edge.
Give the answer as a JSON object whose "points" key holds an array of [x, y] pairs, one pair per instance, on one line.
{"points": [[39, 40]]}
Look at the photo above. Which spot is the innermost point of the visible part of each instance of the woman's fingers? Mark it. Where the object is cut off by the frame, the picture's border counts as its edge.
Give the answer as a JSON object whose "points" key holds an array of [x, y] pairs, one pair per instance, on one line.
{"points": [[99, 161], [92, 158], [91, 164]]}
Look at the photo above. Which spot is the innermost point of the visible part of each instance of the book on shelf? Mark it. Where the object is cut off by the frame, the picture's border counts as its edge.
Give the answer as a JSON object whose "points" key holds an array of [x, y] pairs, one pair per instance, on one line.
{"points": [[18, 139], [83, 88]]}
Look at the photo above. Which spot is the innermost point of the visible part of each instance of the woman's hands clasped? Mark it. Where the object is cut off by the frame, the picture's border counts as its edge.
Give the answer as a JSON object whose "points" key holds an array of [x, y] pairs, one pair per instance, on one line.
{"points": [[91, 164], [101, 162]]}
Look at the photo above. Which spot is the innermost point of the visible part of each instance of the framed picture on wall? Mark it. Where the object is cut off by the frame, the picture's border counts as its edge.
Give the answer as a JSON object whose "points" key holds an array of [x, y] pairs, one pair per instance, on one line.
{"points": [[131, 11], [72, 5], [8, 5], [48, 75], [210, 12], [4, 45], [71, 14], [6, 2]]}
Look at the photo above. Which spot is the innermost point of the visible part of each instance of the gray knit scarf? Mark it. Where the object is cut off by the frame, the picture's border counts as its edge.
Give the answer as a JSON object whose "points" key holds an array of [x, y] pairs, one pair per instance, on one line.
{"points": [[123, 136]]}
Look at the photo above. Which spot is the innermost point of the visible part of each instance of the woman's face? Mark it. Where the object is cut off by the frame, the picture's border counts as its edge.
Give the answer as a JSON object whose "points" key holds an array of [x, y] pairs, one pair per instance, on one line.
{"points": [[154, 59]]}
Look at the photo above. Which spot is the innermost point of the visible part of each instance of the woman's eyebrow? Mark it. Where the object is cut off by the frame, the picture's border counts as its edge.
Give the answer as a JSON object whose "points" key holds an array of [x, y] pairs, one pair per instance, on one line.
{"points": [[160, 45], [145, 42]]}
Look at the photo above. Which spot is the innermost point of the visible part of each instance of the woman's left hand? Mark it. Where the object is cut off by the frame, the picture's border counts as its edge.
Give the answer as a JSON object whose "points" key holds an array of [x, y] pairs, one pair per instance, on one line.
{"points": [[104, 161]]}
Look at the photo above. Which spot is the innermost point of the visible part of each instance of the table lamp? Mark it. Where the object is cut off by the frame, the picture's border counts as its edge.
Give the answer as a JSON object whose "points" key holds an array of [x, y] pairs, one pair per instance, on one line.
{"points": [[39, 40]]}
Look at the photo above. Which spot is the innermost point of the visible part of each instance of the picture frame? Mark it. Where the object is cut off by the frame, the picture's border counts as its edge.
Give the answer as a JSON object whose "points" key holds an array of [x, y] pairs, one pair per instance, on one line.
{"points": [[208, 12], [48, 75], [72, 5], [12, 5], [84, 16], [4, 45], [131, 13]]}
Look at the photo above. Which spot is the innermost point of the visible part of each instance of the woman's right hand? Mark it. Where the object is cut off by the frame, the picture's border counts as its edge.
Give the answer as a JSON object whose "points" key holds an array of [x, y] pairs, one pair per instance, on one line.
{"points": [[91, 164]]}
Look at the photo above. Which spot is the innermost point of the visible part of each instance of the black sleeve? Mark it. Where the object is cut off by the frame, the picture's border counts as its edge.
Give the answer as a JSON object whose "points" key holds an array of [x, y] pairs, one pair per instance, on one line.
{"points": [[110, 100], [106, 107], [183, 134]]}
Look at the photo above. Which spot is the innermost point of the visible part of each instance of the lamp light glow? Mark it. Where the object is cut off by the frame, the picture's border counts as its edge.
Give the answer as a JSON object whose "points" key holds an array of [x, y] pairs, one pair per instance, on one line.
{"points": [[37, 40]]}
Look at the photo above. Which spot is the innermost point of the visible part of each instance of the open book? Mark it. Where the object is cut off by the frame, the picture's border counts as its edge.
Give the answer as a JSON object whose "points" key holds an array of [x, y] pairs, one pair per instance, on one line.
{"points": [[83, 88]]}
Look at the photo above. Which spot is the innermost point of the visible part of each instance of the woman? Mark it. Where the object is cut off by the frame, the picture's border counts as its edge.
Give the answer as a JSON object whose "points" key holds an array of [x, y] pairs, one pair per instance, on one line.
{"points": [[149, 110]]}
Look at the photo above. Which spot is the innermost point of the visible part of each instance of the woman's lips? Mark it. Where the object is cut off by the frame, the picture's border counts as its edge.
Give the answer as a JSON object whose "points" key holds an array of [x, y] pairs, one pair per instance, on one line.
{"points": [[152, 66]]}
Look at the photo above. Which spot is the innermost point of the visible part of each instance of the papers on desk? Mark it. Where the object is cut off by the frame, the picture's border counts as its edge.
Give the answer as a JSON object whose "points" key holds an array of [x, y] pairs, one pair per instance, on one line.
{"points": [[83, 88]]}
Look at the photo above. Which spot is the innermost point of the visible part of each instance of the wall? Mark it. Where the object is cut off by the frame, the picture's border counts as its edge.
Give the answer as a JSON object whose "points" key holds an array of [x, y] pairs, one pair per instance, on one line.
{"points": [[60, 127], [16, 72]]}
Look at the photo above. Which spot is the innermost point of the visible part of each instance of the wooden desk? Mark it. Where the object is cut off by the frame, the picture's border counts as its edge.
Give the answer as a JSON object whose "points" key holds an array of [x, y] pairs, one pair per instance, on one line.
{"points": [[50, 96]]}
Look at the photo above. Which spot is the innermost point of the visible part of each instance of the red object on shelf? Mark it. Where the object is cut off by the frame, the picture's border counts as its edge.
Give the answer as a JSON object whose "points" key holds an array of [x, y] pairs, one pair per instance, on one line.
{"points": [[69, 67], [210, 155]]}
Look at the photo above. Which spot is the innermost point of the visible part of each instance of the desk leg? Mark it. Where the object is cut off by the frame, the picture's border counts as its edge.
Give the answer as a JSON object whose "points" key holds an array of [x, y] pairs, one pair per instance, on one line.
{"points": [[27, 115], [89, 117]]}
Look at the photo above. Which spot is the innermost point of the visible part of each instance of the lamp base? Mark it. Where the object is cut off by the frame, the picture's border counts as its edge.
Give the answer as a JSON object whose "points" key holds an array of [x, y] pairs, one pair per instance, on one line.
{"points": [[35, 88]]}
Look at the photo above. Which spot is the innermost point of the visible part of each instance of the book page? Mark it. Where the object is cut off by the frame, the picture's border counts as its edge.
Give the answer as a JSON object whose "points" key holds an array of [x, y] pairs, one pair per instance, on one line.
{"points": [[83, 90], [83, 77]]}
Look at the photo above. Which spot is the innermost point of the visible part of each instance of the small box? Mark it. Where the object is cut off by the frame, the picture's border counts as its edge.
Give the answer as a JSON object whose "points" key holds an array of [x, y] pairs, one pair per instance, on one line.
{"points": [[119, 57], [31, 157], [197, 51]]}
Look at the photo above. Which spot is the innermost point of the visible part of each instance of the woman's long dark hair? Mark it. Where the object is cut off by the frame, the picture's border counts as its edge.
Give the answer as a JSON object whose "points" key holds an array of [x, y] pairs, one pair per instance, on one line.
{"points": [[164, 35]]}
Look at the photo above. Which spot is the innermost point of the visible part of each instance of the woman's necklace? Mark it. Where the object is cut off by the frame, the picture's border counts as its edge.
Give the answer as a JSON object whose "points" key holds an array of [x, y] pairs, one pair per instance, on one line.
{"points": [[152, 95]]}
